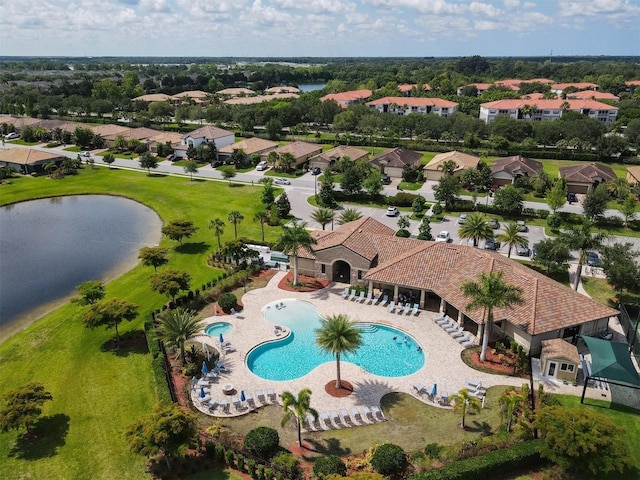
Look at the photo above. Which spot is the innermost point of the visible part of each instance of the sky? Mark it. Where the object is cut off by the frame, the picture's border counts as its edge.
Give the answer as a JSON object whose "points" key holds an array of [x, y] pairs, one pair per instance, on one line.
{"points": [[319, 28]]}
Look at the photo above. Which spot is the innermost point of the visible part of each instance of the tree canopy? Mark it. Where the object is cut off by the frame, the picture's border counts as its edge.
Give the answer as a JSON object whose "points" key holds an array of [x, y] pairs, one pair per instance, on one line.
{"points": [[110, 313], [179, 229], [154, 256], [23, 406], [170, 281]]}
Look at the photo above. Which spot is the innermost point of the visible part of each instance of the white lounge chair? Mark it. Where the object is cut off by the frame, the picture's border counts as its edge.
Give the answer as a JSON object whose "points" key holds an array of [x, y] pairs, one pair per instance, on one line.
{"points": [[345, 415], [375, 299], [416, 309], [260, 395], [361, 297], [419, 388], [353, 294], [271, 394], [397, 308], [212, 404], [346, 292], [376, 412], [369, 298], [236, 402], [443, 320], [355, 414], [452, 328], [457, 333], [391, 306], [311, 422], [440, 316], [469, 343], [464, 338], [248, 398], [325, 418], [385, 299], [229, 348], [334, 416], [472, 384], [366, 411], [407, 308]]}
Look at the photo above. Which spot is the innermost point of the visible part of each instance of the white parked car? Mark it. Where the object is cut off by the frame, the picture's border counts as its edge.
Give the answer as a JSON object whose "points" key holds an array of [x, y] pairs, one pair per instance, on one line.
{"points": [[443, 236], [263, 165], [391, 212], [12, 136], [85, 154], [281, 181]]}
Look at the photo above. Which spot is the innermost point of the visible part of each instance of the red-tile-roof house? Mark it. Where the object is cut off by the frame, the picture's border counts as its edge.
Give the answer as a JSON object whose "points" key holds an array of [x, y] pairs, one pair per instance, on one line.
{"points": [[346, 99], [393, 161], [207, 134], [585, 177], [419, 105], [506, 170], [368, 253], [537, 110]]}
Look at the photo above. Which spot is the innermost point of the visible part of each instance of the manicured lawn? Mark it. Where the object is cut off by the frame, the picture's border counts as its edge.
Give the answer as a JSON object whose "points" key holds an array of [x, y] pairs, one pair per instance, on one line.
{"points": [[600, 290], [98, 392]]}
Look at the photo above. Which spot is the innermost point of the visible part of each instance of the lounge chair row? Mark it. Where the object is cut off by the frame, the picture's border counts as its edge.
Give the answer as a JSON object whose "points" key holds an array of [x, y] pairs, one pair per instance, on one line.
{"points": [[240, 404], [343, 418], [463, 337], [442, 397], [405, 309], [370, 299]]}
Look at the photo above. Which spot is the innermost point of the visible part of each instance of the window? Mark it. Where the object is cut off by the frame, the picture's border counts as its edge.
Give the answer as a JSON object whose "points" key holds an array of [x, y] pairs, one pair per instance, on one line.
{"points": [[566, 367], [323, 268], [359, 274]]}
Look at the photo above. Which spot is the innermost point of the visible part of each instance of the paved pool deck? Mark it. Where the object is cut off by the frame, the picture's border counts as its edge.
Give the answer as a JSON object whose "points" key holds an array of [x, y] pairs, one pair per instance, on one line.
{"points": [[442, 360]]}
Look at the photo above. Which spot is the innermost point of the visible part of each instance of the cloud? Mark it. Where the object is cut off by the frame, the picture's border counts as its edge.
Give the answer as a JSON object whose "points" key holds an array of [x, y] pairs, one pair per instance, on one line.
{"points": [[485, 9], [315, 6], [437, 7], [592, 8]]}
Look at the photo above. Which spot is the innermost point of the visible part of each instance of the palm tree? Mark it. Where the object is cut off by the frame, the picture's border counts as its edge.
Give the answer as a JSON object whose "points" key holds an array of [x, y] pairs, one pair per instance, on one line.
{"points": [[512, 237], [336, 336], [177, 327], [298, 408], [463, 401], [323, 216], [448, 167], [582, 239], [49, 167], [235, 217], [293, 238], [262, 217], [475, 227], [349, 215], [489, 292], [218, 226], [510, 402]]}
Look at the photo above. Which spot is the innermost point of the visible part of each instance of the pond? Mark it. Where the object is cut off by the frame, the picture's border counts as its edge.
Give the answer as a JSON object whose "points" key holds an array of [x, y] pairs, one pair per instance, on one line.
{"points": [[49, 246]]}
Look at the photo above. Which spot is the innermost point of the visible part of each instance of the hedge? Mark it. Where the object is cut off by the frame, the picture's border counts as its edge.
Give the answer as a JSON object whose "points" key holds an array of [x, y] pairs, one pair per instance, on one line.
{"points": [[522, 455]]}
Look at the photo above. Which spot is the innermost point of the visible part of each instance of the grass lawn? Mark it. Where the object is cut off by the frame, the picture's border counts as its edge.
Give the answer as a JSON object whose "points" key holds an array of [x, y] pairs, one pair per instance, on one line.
{"points": [[600, 290], [214, 474], [98, 392], [412, 424]]}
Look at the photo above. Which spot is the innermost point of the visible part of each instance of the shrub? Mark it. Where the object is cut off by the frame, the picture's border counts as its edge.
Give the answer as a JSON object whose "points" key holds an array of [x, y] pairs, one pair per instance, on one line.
{"points": [[403, 233], [219, 453], [240, 462], [388, 459], [432, 450], [262, 441], [251, 467], [230, 458], [286, 463], [554, 221], [227, 301], [437, 209], [331, 465]]}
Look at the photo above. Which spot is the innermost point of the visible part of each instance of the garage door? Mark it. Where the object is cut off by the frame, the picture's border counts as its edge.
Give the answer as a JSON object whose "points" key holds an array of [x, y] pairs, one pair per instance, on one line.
{"points": [[580, 189]]}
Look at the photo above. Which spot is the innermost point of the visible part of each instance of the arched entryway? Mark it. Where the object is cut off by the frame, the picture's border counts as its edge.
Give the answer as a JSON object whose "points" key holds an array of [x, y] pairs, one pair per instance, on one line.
{"points": [[341, 271]]}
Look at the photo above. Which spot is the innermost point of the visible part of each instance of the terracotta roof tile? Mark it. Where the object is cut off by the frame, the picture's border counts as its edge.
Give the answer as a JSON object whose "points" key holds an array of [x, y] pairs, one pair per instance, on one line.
{"points": [[414, 102], [587, 173], [300, 149], [516, 164], [558, 347], [250, 146], [397, 157], [462, 160]]}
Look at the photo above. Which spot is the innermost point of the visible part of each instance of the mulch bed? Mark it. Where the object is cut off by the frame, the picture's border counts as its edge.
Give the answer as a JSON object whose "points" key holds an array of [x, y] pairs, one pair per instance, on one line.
{"points": [[305, 284], [345, 391], [494, 362]]}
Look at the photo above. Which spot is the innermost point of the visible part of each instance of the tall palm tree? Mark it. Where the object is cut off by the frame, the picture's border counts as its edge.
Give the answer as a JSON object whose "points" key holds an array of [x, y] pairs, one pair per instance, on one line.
{"points": [[336, 336], [476, 228], [218, 226], [262, 217], [235, 217], [178, 326], [489, 292], [298, 408], [583, 239], [448, 167], [323, 216], [349, 215], [510, 402], [292, 239], [512, 237], [463, 401]]}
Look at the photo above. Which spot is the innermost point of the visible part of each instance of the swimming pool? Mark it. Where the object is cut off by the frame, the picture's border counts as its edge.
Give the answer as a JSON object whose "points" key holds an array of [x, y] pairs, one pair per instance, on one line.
{"points": [[216, 328], [384, 350]]}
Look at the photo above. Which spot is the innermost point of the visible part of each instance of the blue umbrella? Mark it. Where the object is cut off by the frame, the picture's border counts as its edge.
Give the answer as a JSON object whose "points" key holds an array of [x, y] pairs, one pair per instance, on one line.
{"points": [[221, 339], [205, 369], [202, 394], [242, 397], [434, 389]]}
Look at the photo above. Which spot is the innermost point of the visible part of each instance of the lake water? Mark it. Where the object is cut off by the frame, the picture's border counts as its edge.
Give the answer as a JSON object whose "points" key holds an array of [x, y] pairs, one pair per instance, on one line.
{"points": [[310, 87], [49, 246]]}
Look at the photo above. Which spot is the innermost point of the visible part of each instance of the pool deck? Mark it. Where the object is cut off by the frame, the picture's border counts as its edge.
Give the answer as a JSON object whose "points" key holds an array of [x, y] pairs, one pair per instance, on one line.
{"points": [[442, 360]]}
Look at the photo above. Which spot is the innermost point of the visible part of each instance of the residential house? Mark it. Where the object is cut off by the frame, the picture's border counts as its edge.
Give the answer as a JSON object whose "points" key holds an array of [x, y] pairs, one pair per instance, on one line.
{"points": [[510, 83], [258, 98], [301, 151], [559, 360], [109, 132], [191, 96], [250, 146], [593, 95], [434, 169], [323, 160], [393, 161], [633, 175], [559, 88], [480, 87], [207, 134], [585, 177], [236, 92], [152, 97], [419, 105], [282, 89], [346, 99], [172, 138], [506, 170], [546, 109], [19, 122], [368, 253], [28, 160], [407, 89]]}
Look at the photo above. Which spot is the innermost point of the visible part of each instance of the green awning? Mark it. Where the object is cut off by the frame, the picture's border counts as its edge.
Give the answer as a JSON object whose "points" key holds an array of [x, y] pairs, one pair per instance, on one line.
{"points": [[612, 361]]}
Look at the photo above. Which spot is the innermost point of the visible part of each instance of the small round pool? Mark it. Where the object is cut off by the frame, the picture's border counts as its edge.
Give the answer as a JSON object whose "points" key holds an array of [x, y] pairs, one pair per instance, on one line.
{"points": [[385, 351], [216, 328]]}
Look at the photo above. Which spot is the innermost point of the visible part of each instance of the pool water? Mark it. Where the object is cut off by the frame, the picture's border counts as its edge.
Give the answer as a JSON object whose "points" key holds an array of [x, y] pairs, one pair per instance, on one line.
{"points": [[215, 329], [385, 351]]}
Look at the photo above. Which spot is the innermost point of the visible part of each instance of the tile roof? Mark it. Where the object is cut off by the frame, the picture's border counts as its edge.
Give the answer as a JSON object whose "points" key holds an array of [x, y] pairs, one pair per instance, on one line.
{"points": [[235, 91], [633, 83], [533, 96], [414, 102], [462, 160], [407, 87], [299, 149], [141, 133], [282, 89], [341, 151], [578, 85], [18, 122], [634, 171], [194, 94], [152, 97], [163, 137], [558, 347], [259, 98], [587, 173], [350, 96], [26, 156], [593, 95], [397, 157], [208, 132], [554, 104], [516, 164], [250, 146], [109, 130]]}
